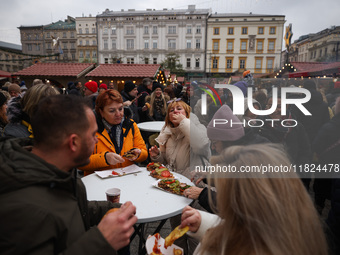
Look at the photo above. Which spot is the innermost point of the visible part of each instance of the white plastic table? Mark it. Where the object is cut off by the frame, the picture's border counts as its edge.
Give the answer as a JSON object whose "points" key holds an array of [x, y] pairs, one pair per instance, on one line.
{"points": [[152, 203], [151, 126]]}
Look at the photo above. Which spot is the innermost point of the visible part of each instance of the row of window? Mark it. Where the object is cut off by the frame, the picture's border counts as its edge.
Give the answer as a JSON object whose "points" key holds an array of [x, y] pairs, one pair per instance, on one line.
{"points": [[87, 42], [244, 30], [87, 54], [244, 45], [9, 57], [171, 30], [242, 65], [171, 44], [87, 30], [56, 35]]}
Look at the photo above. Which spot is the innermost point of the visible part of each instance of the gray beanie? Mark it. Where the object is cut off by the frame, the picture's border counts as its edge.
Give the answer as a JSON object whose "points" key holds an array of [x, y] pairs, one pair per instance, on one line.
{"points": [[225, 132]]}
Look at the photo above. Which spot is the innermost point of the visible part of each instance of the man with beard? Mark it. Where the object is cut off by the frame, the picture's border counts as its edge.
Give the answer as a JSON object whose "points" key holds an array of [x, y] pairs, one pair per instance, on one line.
{"points": [[44, 206]]}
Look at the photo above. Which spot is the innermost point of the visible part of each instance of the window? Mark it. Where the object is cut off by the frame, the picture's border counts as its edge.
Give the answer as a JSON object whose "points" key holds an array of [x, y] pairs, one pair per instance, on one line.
{"points": [[80, 42], [172, 30], [216, 30], [64, 34], [105, 31], [259, 46], [320, 53], [94, 54], [37, 47], [188, 44], [114, 44], [87, 42], [258, 65], [80, 31], [93, 30], [229, 64], [146, 44], [189, 29], [48, 35], [188, 62], [146, 60], [230, 30], [106, 60], [272, 30], [81, 54], [129, 43], [106, 45], [216, 46], [215, 64], [197, 62], [198, 43], [130, 60], [198, 29], [94, 42], [72, 46], [146, 30], [230, 45], [260, 30], [87, 30], [154, 61], [87, 54], [242, 65], [65, 46], [271, 45], [154, 30], [72, 34], [172, 43], [129, 30], [154, 44], [244, 45], [270, 64], [244, 30]]}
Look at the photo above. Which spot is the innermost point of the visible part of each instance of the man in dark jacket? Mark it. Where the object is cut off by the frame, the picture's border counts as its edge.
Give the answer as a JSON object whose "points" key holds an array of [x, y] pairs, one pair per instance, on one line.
{"points": [[44, 209], [144, 90], [129, 95]]}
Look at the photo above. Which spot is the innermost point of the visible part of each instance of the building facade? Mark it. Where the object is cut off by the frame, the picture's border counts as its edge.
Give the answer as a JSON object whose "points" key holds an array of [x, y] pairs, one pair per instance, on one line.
{"points": [[66, 49], [11, 57], [239, 42], [86, 39], [146, 37]]}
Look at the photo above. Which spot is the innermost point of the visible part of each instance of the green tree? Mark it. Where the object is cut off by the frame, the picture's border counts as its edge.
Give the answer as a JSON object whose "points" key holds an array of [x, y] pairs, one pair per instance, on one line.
{"points": [[171, 62]]}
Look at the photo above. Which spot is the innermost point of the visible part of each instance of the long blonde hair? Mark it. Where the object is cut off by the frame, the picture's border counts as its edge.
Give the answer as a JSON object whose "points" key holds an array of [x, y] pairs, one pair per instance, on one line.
{"points": [[152, 103], [270, 215]]}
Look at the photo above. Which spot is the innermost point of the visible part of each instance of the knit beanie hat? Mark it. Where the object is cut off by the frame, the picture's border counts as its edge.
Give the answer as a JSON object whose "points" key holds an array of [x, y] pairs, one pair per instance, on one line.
{"points": [[243, 86], [225, 132], [92, 86], [14, 87], [3, 99], [103, 86], [129, 86], [157, 85]]}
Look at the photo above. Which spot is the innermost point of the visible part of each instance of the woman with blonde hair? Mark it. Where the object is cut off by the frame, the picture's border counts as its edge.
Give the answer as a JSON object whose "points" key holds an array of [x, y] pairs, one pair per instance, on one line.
{"points": [[20, 110], [157, 103], [258, 213]]}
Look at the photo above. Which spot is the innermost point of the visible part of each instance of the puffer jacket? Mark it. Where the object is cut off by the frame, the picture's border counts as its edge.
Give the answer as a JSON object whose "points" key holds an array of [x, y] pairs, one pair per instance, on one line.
{"points": [[183, 147], [132, 139], [45, 210]]}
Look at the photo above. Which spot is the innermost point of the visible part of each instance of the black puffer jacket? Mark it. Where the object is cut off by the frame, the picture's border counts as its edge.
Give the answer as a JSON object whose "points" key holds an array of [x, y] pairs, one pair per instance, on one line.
{"points": [[45, 210]]}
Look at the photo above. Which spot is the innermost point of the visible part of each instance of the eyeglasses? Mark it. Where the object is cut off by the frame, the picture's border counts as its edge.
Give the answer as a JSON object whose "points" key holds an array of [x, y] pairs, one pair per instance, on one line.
{"points": [[174, 100]]}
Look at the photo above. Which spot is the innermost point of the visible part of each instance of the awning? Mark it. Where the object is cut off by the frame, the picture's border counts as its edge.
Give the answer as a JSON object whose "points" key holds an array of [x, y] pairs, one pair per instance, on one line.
{"points": [[298, 74]]}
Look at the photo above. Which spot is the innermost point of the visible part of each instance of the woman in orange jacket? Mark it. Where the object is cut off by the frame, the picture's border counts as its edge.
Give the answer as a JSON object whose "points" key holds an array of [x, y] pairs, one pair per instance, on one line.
{"points": [[116, 135]]}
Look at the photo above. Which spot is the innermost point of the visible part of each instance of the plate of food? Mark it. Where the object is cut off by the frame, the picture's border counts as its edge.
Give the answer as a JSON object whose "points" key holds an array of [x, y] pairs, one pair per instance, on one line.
{"points": [[173, 186], [159, 171], [155, 245]]}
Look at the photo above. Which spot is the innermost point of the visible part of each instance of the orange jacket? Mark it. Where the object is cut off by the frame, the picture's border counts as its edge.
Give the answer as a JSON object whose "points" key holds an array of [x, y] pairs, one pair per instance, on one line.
{"points": [[104, 144]]}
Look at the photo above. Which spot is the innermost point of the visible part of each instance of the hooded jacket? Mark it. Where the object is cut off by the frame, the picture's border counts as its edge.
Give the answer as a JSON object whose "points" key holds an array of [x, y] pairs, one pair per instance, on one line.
{"points": [[184, 146], [132, 139], [45, 210]]}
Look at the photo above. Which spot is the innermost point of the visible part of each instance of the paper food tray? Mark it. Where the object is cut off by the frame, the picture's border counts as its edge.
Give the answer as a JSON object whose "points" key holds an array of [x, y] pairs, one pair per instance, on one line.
{"points": [[150, 242], [121, 171], [155, 184]]}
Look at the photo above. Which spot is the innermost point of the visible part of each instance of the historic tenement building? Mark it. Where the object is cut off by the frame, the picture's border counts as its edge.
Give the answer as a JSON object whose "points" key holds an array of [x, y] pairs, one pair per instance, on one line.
{"points": [[10, 57], [239, 42], [86, 39], [145, 37]]}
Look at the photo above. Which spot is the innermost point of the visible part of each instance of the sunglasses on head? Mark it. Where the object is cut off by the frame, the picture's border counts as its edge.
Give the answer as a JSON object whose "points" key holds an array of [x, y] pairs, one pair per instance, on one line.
{"points": [[174, 100]]}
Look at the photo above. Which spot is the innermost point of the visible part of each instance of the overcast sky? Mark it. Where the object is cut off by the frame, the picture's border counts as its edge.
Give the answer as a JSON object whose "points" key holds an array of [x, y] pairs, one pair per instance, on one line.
{"points": [[307, 16]]}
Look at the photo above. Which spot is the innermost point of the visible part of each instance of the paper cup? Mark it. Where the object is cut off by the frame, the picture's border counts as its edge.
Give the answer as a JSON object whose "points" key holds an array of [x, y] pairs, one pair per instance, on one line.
{"points": [[113, 195]]}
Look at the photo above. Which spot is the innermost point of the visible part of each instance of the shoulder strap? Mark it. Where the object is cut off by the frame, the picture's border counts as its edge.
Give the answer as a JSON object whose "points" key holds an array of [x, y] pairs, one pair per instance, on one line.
{"points": [[129, 125]]}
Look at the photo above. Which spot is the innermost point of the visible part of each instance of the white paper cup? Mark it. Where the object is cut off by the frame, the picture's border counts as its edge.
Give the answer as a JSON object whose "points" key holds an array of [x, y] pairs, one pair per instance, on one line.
{"points": [[113, 195]]}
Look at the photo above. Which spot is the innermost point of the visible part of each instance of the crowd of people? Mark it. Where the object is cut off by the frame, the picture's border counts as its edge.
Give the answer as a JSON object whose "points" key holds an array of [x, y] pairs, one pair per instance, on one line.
{"points": [[51, 137]]}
